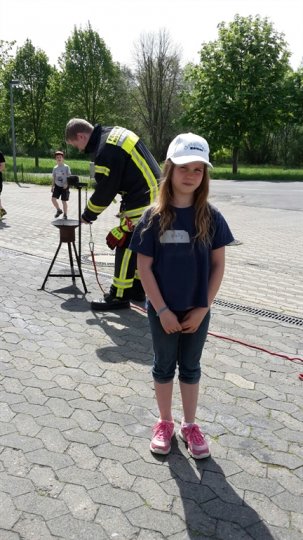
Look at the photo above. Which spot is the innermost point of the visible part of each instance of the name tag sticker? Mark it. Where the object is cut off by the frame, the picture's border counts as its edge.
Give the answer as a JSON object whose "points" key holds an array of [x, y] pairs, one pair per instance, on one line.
{"points": [[175, 237]]}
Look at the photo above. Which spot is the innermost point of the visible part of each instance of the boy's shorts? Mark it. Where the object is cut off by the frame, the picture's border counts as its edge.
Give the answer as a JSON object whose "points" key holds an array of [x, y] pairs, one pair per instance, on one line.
{"points": [[60, 192]]}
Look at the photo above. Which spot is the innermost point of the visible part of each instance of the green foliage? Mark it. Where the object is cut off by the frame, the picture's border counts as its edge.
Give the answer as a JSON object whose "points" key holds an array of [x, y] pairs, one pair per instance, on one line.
{"points": [[221, 156], [5, 53], [90, 75], [31, 69], [122, 111], [5, 59], [236, 91], [56, 113]]}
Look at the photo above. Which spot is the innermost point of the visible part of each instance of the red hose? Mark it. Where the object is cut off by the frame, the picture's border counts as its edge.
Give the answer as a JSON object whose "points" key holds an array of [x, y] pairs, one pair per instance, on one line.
{"points": [[291, 358], [245, 344], [220, 336]]}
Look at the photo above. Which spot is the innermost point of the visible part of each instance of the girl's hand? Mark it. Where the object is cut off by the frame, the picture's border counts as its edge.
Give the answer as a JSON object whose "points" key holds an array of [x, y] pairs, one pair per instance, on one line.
{"points": [[193, 319], [170, 322]]}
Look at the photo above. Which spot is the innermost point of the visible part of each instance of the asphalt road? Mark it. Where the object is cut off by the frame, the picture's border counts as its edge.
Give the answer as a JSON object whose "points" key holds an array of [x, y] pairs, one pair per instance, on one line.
{"points": [[278, 195]]}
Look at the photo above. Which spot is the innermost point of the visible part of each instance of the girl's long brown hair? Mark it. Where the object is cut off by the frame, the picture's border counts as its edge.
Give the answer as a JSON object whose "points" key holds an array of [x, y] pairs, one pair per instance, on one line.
{"points": [[163, 205]]}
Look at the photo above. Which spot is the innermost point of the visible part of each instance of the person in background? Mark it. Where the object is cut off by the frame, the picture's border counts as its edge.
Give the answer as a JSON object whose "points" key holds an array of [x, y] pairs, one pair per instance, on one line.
{"points": [[124, 166], [59, 184], [2, 168], [180, 244]]}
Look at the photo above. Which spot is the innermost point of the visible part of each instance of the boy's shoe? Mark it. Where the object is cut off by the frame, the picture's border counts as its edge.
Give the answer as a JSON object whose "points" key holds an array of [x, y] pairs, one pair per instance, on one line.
{"points": [[196, 443], [58, 213], [2, 212], [161, 441], [64, 216]]}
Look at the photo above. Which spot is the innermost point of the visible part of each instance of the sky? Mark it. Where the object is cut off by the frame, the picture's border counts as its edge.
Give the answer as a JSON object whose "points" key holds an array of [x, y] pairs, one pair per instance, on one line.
{"points": [[120, 23]]}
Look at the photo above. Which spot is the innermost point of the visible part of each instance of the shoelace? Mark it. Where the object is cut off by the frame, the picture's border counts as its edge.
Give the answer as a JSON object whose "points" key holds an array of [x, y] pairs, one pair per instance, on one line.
{"points": [[195, 435], [163, 431]]}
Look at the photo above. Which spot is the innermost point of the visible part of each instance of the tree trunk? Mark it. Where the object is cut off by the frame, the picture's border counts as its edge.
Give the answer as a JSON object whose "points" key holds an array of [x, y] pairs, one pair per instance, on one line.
{"points": [[235, 159], [36, 156]]}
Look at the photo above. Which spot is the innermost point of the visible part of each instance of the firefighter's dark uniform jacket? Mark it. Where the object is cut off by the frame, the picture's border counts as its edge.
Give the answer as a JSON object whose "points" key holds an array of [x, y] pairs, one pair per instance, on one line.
{"points": [[123, 165]]}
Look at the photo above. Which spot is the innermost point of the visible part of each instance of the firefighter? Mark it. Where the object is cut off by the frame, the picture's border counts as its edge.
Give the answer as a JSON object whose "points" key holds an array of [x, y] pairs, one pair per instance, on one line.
{"points": [[125, 166]]}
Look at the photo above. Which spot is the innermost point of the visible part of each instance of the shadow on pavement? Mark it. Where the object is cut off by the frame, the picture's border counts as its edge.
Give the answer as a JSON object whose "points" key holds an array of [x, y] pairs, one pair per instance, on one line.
{"points": [[4, 225], [78, 303], [23, 186], [212, 508], [128, 331]]}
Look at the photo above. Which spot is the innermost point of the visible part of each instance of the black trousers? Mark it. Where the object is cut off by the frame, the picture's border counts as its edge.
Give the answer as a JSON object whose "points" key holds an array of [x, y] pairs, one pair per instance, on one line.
{"points": [[126, 276]]}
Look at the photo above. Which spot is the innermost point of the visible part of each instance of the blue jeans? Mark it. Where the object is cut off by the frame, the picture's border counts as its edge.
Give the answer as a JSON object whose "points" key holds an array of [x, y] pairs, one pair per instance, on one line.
{"points": [[179, 349]]}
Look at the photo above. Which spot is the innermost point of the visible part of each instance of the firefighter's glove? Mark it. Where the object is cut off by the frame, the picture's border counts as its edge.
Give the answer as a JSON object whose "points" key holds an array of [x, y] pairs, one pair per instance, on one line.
{"points": [[116, 237]]}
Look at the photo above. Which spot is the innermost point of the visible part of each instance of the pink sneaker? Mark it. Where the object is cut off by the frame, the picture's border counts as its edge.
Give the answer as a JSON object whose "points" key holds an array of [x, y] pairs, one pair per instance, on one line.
{"points": [[161, 441], [196, 443]]}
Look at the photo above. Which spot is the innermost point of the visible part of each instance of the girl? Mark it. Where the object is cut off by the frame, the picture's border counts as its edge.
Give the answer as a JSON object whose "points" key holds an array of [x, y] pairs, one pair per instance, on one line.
{"points": [[180, 243]]}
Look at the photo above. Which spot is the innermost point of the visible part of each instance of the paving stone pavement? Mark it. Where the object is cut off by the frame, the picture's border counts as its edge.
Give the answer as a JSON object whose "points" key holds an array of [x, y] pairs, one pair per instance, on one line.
{"points": [[77, 401]]}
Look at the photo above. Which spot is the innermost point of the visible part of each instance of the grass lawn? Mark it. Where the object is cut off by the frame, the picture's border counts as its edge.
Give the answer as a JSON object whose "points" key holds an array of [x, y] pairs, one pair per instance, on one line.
{"points": [[254, 172], [27, 173]]}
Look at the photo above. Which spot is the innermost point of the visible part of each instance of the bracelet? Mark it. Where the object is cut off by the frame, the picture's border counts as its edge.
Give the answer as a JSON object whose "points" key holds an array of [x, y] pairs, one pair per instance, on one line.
{"points": [[161, 310]]}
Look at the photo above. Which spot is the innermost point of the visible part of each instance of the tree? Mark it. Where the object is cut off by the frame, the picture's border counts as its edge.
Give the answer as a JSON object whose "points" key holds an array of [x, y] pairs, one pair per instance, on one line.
{"points": [[123, 113], [89, 75], [5, 59], [157, 98], [5, 53], [57, 110], [236, 88], [32, 69], [288, 141]]}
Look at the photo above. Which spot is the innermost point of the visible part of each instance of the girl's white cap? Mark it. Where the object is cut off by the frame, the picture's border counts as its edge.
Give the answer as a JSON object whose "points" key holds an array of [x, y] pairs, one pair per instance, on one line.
{"points": [[188, 147]]}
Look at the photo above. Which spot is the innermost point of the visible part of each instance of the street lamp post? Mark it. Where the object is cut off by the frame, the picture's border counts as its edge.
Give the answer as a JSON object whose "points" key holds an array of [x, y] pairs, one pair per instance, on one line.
{"points": [[13, 83]]}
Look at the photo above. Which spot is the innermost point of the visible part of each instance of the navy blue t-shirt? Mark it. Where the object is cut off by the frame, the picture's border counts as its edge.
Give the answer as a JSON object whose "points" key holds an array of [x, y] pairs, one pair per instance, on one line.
{"points": [[181, 265]]}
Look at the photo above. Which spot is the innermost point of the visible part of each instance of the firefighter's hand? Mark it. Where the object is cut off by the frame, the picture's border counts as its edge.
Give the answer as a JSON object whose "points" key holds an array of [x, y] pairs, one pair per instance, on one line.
{"points": [[116, 237], [84, 221]]}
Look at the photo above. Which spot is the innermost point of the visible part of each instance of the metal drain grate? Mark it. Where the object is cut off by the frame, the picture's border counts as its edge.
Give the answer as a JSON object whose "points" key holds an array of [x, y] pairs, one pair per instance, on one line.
{"points": [[298, 321]]}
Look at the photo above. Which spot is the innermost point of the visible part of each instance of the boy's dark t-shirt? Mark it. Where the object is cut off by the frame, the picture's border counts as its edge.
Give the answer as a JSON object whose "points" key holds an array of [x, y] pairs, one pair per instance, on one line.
{"points": [[181, 265]]}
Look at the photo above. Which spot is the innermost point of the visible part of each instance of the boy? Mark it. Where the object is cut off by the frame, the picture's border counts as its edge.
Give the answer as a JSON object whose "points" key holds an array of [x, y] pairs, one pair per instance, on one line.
{"points": [[59, 185]]}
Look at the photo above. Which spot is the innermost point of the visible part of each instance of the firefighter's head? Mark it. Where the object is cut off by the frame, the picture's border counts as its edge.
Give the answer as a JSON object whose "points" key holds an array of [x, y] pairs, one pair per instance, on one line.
{"points": [[78, 132]]}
